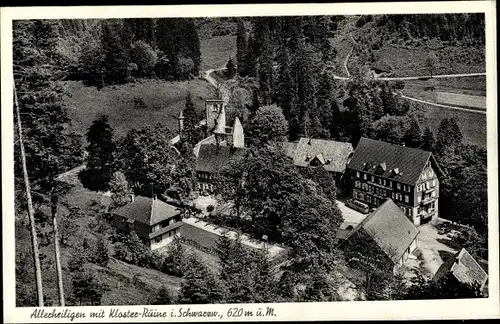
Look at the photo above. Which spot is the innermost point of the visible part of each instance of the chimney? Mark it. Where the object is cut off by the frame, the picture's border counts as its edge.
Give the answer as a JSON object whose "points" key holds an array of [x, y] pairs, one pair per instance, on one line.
{"points": [[132, 198], [310, 141]]}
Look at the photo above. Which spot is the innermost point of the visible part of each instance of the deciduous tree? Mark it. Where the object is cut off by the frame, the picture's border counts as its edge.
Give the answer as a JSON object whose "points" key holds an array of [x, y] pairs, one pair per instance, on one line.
{"points": [[268, 125]]}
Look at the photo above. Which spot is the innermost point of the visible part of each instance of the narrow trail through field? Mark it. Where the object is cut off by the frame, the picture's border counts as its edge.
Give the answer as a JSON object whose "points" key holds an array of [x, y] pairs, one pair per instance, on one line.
{"points": [[224, 92], [443, 106], [460, 75]]}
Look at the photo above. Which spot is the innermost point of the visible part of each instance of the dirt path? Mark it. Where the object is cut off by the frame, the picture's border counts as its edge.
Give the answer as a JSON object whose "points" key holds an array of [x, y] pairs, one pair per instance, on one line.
{"points": [[439, 76], [224, 92], [462, 75], [345, 62], [477, 111]]}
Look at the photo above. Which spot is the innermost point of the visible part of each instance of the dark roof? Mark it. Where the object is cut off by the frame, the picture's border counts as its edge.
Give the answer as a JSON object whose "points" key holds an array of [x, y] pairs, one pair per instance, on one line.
{"points": [[464, 268], [146, 210], [382, 158], [332, 155], [212, 158], [390, 229]]}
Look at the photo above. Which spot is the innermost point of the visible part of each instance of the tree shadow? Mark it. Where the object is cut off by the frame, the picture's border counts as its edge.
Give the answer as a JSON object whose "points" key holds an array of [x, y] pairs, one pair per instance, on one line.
{"points": [[450, 243]]}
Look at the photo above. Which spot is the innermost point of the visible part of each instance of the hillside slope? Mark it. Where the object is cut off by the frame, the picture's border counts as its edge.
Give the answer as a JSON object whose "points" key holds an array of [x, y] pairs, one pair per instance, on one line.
{"points": [[396, 48], [133, 105]]}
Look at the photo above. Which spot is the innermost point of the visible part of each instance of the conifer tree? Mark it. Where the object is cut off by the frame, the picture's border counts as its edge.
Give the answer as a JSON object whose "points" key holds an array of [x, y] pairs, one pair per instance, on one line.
{"points": [[448, 135], [388, 100], [241, 48], [100, 164], [118, 185], [303, 68], [230, 69], [191, 120], [254, 106], [265, 289], [428, 140], [265, 53], [200, 285], [413, 136], [115, 52], [236, 271], [101, 252], [250, 67], [286, 86], [49, 145], [87, 289], [162, 297]]}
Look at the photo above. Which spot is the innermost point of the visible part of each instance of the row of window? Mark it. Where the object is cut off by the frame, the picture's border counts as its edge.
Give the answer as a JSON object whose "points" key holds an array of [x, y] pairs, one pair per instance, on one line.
{"points": [[407, 210], [167, 235], [163, 224], [205, 186], [384, 182], [428, 209], [366, 198], [427, 196], [204, 175], [426, 185], [382, 192], [375, 201]]}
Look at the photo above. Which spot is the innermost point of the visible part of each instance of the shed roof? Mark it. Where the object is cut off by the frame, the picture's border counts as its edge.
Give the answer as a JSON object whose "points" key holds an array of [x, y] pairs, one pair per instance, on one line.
{"points": [[390, 229], [332, 155], [147, 210], [464, 268]]}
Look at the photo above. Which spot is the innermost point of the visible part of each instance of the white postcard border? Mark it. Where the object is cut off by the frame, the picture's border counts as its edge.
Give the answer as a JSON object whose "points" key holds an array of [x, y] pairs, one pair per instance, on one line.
{"points": [[432, 309]]}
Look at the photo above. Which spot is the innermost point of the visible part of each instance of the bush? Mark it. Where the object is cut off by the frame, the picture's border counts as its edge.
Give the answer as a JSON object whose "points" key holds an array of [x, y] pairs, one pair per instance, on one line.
{"points": [[185, 67], [175, 261], [145, 58], [162, 297], [101, 253]]}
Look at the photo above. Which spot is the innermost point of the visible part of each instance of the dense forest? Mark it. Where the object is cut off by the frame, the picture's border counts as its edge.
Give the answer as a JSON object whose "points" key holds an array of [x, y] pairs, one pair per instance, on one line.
{"points": [[111, 51], [462, 28]]}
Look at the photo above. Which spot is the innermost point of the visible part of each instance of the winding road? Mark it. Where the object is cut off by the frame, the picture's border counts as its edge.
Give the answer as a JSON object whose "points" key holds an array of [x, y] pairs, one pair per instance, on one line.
{"points": [[224, 92], [424, 77]]}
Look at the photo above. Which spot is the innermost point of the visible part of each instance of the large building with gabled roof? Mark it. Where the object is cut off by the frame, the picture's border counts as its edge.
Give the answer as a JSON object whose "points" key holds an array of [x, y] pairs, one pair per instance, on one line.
{"points": [[386, 234], [409, 176], [328, 154]]}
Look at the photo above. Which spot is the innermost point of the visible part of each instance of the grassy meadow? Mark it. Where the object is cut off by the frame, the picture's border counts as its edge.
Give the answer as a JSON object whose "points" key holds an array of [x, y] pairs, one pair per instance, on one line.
{"points": [[216, 51], [472, 125], [133, 105], [409, 60]]}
